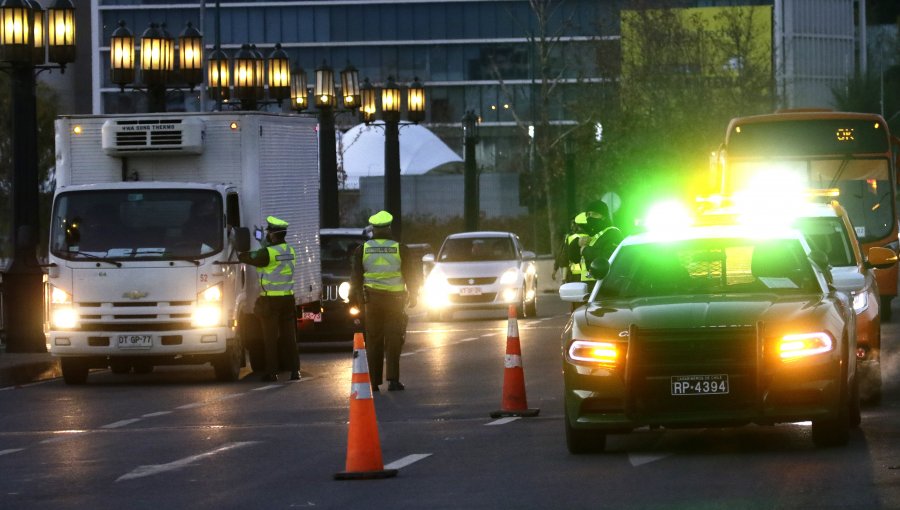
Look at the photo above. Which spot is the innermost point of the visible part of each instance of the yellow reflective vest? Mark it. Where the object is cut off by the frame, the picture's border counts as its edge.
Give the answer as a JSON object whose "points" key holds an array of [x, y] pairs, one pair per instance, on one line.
{"points": [[277, 278]]}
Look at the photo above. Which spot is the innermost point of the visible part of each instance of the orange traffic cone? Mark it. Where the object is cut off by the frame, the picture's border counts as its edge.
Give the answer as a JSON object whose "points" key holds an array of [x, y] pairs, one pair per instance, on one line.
{"points": [[514, 401], [363, 446]]}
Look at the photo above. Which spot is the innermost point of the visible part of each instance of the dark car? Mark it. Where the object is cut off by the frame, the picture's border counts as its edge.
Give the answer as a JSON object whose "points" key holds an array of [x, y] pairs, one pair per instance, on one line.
{"points": [[335, 320], [711, 327]]}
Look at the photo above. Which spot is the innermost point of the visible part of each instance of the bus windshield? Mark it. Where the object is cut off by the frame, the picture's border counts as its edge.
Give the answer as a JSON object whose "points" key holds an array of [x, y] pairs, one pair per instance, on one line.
{"points": [[864, 187]]}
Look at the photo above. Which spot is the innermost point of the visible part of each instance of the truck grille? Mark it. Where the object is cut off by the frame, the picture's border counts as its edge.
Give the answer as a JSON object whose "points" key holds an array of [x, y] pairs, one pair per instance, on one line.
{"points": [[135, 316], [656, 355]]}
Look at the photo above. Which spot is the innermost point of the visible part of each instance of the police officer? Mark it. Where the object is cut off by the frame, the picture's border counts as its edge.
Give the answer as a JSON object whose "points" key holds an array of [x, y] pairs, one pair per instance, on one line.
{"points": [[574, 242], [275, 306], [385, 278], [603, 240]]}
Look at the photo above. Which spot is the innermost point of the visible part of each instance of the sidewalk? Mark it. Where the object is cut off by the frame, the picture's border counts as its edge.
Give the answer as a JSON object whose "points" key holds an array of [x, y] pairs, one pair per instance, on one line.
{"points": [[23, 368]]}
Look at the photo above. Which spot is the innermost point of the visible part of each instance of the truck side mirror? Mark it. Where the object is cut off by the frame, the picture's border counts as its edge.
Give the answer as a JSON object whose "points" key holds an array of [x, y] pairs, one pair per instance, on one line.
{"points": [[242, 239]]}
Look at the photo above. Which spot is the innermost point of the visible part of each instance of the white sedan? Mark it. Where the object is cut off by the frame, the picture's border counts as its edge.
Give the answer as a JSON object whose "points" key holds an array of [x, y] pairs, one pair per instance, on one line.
{"points": [[480, 270]]}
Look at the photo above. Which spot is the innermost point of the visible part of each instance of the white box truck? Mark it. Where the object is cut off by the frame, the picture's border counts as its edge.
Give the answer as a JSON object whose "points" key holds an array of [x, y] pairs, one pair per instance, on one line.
{"points": [[148, 215]]}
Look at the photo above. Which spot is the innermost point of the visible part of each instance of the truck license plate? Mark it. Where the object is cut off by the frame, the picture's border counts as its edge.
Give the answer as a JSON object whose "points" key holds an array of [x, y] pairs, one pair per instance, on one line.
{"points": [[135, 341], [713, 384], [470, 291]]}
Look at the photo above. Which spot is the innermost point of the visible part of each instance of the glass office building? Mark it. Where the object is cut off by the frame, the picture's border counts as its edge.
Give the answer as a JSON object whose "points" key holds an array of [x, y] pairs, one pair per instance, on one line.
{"points": [[470, 54]]}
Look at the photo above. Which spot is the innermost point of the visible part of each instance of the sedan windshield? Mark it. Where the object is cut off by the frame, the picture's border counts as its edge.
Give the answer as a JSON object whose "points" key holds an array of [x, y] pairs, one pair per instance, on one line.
{"points": [[137, 224], [476, 249], [709, 266]]}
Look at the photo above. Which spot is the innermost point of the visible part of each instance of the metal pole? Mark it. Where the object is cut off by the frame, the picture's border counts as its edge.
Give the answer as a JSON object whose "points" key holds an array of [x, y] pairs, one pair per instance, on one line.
{"points": [[330, 210], [392, 172], [23, 282], [471, 205]]}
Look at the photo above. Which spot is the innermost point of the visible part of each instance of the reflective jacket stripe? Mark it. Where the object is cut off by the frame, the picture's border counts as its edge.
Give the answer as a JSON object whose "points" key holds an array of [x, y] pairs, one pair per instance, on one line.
{"points": [[277, 278], [381, 265]]}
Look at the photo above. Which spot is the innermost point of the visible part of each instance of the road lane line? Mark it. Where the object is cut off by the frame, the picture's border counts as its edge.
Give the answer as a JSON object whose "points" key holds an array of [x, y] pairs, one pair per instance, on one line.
{"points": [[120, 423], [153, 415], [504, 421], [192, 406], [409, 353], [639, 460], [264, 388], [11, 450], [468, 339], [63, 435], [405, 461], [156, 469]]}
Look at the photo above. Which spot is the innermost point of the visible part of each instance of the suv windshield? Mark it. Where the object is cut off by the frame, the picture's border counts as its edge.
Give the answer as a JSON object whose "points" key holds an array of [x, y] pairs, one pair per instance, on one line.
{"points": [[336, 251], [709, 266], [137, 224], [474, 249], [828, 235]]}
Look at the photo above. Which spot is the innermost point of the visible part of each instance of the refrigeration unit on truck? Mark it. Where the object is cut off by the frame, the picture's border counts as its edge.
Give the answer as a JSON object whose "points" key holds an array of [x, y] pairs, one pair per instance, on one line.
{"points": [[148, 216]]}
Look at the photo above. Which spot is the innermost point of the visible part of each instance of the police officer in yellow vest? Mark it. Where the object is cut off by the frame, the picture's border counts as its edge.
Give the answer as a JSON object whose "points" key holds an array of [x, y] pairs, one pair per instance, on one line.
{"points": [[275, 306], [603, 240], [385, 278], [576, 239]]}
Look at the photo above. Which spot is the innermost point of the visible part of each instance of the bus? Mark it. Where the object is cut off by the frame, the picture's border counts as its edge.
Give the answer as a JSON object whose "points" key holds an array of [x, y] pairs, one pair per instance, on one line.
{"points": [[852, 154]]}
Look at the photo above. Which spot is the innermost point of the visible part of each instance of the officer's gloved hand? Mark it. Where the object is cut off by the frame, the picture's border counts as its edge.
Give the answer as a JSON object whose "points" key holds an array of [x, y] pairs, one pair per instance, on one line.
{"points": [[413, 300]]}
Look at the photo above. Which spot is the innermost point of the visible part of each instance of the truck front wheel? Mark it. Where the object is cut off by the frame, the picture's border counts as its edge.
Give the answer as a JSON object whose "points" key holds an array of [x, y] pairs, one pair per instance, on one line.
{"points": [[74, 370], [228, 364]]}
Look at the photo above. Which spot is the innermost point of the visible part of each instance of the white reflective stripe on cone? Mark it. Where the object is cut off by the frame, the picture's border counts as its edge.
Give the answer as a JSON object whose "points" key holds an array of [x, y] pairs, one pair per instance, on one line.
{"points": [[361, 391], [512, 361], [512, 331]]}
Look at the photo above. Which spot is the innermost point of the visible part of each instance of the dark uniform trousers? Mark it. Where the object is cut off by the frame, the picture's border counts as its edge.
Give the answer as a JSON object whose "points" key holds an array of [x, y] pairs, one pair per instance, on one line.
{"points": [[278, 319], [385, 329]]}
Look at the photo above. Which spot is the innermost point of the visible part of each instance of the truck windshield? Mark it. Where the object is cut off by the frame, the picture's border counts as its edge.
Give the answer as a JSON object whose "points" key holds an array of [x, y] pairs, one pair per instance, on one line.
{"points": [[137, 224]]}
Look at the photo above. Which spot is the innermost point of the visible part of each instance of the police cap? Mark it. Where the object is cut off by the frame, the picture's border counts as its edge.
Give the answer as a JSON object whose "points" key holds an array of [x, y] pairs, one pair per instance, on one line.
{"points": [[276, 224], [381, 219]]}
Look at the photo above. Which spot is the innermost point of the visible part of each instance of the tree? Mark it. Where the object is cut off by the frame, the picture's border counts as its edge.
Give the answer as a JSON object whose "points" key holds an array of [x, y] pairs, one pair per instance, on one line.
{"points": [[684, 74]]}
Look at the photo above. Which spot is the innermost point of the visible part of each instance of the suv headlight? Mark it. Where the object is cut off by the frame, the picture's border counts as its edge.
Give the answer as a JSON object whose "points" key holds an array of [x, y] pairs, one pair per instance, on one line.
{"points": [[344, 291], [208, 311], [794, 347], [436, 289], [62, 311], [604, 354]]}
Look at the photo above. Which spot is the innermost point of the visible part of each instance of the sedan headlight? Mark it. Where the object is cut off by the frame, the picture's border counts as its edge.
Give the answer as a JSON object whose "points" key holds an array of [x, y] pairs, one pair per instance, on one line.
{"points": [[509, 277], [803, 345], [62, 312], [436, 289], [604, 354], [209, 308]]}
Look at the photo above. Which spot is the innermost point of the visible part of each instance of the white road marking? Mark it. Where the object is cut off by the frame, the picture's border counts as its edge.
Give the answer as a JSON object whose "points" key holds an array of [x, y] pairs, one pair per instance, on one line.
{"points": [[504, 421], [63, 435], [192, 406], [408, 353], [264, 388], [11, 450], [153, 415], [639, 460], [405, 461], [156, 469], [120, 423], [468, 339], [488, 335]]}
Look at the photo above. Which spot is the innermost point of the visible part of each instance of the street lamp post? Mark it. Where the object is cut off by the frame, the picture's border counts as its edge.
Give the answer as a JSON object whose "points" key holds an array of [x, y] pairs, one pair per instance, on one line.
{"points": [[23, 43], [157, 60], [390, 110], [325, 98], [470, 191]]}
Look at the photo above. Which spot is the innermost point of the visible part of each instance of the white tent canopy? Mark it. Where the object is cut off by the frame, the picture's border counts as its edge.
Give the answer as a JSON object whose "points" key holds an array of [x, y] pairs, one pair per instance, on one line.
{"points": [[363, 151]]}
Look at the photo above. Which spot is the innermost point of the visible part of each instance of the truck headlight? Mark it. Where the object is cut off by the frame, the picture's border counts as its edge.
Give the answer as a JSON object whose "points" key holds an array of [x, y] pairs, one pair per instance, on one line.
{"points": [[62, 312], [794, 347], [208, 311]]}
